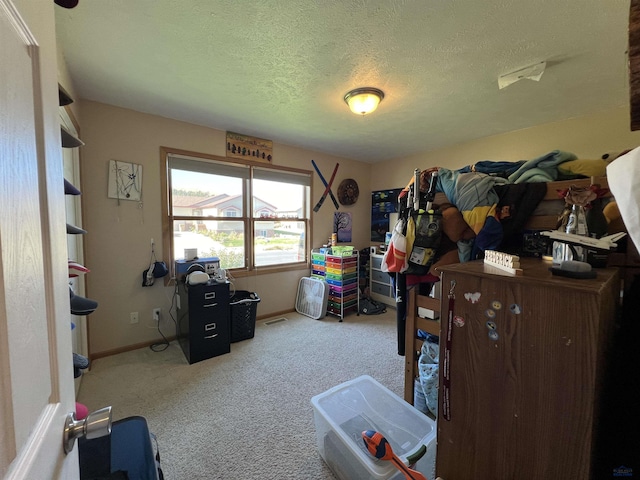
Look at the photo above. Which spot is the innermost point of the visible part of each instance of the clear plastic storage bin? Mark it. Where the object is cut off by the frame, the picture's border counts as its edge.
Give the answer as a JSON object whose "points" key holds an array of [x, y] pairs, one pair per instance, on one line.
{"points": [[342, 413]]}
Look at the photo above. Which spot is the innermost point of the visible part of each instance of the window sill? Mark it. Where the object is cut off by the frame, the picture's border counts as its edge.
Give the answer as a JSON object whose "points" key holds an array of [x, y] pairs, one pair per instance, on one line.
{"points": [[267, 270]]}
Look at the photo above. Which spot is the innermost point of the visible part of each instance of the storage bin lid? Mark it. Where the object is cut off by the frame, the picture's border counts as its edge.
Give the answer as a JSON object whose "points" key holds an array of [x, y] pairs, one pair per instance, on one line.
{"points": [[364, 404]]}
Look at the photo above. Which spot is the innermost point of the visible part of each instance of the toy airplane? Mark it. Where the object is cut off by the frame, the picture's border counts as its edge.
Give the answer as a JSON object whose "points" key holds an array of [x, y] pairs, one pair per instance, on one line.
{"points": [[604, 243]]}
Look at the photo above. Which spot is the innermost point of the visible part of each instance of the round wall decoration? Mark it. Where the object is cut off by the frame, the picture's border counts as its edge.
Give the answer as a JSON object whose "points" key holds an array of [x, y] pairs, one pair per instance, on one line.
{"points": [[348, 191]]}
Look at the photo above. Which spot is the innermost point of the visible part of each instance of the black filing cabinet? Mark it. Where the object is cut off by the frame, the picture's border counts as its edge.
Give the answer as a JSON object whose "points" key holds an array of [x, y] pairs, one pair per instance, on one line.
{"points": [[203, 320]]}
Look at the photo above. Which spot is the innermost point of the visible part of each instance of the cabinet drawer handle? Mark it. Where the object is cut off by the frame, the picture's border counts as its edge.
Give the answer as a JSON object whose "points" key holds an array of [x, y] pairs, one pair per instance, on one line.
{"points": [[210, 305], [209, 295], [210, 326], [211, 336]]}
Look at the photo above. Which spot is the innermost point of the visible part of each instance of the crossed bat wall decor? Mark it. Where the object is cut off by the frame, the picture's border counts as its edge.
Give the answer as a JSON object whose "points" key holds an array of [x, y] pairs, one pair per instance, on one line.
{"points": [[327, 190]]}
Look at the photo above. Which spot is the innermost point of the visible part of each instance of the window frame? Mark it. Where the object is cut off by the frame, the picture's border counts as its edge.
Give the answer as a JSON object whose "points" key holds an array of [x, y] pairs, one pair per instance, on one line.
{"points": [[247, 217]]}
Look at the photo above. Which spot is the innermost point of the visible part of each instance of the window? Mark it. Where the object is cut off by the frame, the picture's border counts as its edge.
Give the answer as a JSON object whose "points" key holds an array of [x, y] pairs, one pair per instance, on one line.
{"points": [[249, 216]]}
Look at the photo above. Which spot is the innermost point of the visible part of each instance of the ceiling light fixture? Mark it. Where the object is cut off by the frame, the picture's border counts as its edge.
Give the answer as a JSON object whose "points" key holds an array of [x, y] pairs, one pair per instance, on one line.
{"points": [[364, 100]]}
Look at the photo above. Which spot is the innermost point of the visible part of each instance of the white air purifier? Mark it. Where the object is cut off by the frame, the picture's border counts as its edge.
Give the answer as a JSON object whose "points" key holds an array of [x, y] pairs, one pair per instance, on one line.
{"points": [[312, 298]]}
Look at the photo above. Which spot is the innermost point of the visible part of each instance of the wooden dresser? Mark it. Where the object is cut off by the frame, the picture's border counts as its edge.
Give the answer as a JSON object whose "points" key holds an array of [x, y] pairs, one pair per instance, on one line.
{"points": [[527, 361]]}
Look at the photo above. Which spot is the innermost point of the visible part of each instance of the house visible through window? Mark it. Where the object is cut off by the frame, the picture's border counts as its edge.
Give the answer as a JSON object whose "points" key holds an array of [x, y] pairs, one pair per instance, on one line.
{"points": [[248, 216]]}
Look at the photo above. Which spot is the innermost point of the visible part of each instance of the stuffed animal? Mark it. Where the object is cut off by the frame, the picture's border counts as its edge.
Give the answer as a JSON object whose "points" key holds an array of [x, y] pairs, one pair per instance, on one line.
{"points": [[614, 218], [611, 156], [589, 167]]}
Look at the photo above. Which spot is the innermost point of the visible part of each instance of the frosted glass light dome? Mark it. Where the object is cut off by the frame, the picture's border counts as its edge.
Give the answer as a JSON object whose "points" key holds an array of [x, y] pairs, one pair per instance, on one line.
{"points": [[362, 101]]}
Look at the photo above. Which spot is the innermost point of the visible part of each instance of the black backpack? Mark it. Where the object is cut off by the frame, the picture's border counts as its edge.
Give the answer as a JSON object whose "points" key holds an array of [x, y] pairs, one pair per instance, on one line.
{"points": [[370, 307], [425, 246]]}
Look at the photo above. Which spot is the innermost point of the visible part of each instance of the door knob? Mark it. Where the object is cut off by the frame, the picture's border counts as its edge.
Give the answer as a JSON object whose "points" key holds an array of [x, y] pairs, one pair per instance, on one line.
{"points": [[97, 424]]}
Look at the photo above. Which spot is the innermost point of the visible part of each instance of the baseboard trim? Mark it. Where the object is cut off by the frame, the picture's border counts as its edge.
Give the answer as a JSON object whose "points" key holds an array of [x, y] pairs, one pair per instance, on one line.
{"points": [[128, 348], [275, 314], [136, 346]]}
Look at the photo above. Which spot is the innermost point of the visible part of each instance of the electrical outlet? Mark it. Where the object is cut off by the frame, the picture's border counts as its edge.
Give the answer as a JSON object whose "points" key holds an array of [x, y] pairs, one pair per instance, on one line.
{"points": [[156, 314], [133, 317]]}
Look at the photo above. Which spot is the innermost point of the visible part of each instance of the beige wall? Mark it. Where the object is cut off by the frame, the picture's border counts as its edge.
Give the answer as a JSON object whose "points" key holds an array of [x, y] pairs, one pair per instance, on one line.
{"points": [[117, 244], [588, 137]]}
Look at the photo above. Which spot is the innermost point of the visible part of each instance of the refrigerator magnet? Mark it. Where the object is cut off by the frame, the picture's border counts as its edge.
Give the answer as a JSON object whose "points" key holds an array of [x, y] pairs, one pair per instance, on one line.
{"points": [[472, 297], [458, 321]]}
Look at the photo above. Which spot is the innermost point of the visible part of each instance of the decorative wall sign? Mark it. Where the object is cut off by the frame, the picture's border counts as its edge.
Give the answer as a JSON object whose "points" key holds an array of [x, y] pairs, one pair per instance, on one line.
{"points": [[348, 191], [249, 148], [125, 180]]}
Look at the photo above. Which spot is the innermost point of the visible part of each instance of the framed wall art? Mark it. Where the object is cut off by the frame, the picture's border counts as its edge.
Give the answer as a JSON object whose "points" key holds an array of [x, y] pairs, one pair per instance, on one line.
{"points": [[383, 202], [125, 180], [342, 226]]}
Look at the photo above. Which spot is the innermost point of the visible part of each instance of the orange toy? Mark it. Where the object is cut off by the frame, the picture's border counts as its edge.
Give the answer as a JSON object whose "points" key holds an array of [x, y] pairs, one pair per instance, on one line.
{"points": [[379, 447]]}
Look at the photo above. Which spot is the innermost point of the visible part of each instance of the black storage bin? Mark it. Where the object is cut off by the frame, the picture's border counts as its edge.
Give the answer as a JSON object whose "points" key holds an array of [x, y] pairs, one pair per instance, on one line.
{"points": [[125, 453], [243, 306]]}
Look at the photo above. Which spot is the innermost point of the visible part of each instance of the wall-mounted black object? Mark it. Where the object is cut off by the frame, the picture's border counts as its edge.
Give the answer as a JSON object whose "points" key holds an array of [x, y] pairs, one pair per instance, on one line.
{"points": [[68, 139], [66, 3], [63, 97]]}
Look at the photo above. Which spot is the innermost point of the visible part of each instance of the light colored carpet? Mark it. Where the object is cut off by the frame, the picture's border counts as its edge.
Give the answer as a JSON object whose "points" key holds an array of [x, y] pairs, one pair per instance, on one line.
{"points": [[247, 414]]}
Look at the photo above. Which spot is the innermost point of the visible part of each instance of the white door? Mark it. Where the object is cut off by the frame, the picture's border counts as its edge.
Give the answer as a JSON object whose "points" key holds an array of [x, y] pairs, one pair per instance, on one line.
{"points": [[36, 374]]}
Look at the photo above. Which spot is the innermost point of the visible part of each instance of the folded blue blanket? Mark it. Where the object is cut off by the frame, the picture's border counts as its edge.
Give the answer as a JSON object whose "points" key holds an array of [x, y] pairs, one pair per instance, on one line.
{"points": [[541, 169]]}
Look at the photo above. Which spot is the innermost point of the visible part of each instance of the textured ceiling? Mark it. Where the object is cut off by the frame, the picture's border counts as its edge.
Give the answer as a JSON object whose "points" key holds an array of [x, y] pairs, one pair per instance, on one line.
{"points": [[278, 69]]}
